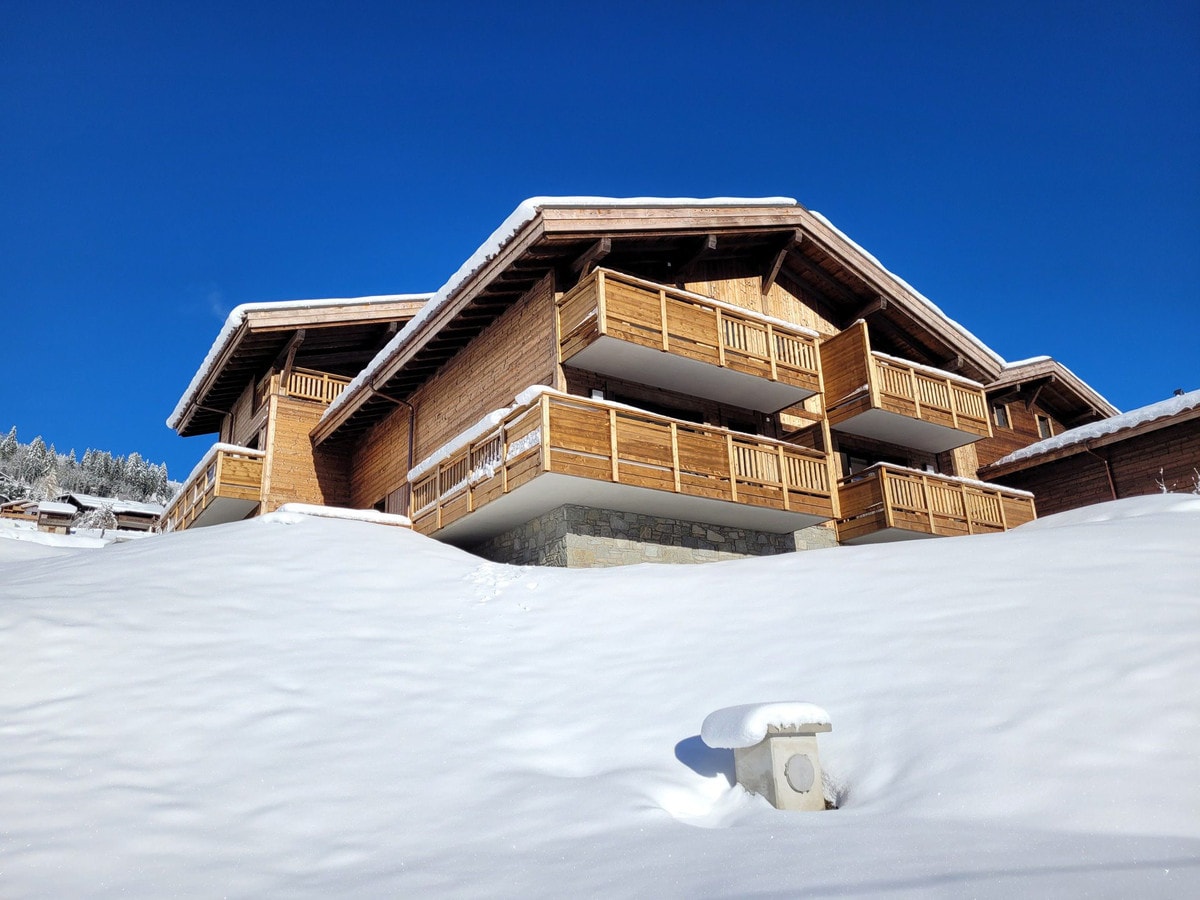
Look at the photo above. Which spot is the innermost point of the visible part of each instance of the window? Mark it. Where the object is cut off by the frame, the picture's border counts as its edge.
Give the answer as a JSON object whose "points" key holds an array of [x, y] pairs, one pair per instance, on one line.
{"points": [[1045, 429], [1000, 415]]}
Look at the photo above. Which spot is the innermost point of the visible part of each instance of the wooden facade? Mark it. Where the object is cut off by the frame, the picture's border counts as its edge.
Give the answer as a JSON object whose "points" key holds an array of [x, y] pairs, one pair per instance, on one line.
{"points": [[273, 390], [723, 363], [1162, 454], [514, 352]]}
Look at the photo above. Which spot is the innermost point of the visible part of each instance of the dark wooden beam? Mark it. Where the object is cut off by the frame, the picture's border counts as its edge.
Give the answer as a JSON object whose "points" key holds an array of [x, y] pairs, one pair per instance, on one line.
{"points": [[1034, 388], [1008, 396], [953, 364], [289, 353], [583, 263], [777, 260], [707, 245], [879, 304], [829, 284]]}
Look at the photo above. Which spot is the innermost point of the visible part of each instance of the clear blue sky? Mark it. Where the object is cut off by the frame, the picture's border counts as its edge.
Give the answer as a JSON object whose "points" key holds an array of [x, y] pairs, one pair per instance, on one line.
{"points": [[1032, 168]]}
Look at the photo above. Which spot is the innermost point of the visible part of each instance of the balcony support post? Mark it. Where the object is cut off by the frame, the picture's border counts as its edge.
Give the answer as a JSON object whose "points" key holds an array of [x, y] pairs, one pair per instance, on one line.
{"points": [[783, 479], [662, 312], [545, 426], [720, 338], [612, 445], [675, 454], [771, 352], [732, 467]]}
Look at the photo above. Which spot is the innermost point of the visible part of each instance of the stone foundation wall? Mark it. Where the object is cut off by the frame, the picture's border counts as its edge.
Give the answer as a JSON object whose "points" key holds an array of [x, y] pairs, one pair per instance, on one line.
{"points": [[584, 537]]}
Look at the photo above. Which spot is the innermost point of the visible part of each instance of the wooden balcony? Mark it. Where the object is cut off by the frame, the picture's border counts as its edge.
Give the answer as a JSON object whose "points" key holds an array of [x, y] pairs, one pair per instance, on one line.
{"points": [[225, 486], [888, 399], [560, 449], [891, 503], [302, 384], [625, 327]]}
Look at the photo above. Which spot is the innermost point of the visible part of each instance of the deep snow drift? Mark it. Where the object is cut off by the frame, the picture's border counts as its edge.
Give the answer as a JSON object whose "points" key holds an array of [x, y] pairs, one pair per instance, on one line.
{"points": [[306, 706]]}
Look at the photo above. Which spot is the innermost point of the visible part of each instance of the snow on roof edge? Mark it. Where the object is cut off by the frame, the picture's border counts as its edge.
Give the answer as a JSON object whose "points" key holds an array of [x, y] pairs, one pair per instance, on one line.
{"points": [[929, 304], [525, 212], [1083, 385], [1172, 406], [238, 315]]}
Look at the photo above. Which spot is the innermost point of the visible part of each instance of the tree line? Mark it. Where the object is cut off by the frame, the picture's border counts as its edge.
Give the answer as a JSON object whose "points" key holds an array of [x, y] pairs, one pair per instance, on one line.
{"points": [[36, 471]]}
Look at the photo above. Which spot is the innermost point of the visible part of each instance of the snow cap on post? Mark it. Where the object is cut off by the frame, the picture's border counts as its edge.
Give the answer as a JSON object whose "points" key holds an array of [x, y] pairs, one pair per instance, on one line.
{"points": [[737, 727]]}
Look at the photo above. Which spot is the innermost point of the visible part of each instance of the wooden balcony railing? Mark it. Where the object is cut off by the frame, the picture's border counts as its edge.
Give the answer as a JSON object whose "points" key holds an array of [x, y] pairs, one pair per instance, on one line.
{"points": [[894, 497], [858, 380], [684, 324], [592, 439], [913, 390], [303, 384], [226, 472]]}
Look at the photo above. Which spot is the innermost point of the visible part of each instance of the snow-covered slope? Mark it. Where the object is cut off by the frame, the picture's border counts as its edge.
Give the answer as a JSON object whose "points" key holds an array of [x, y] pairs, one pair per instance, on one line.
{"points": [[295, 706]]}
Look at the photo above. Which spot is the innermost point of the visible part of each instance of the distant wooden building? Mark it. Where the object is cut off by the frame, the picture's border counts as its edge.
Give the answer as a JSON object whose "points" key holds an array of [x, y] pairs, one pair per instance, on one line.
{"points": [[130, 515], [1145, 451], [55, 516], [610, 381], [19, 511]]}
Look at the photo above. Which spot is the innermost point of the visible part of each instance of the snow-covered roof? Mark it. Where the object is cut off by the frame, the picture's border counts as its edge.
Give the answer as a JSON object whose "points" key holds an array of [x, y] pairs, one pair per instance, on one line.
{"points": [[1165, 410], [1037, 366], [735, 727], [529, 209], [238, 315], [516, 221], [91, 501], [55, 508]]}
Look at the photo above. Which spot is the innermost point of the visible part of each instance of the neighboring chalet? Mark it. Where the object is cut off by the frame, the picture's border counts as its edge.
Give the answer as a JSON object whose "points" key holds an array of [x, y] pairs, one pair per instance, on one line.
{"points": [[44, 515], [270, 375], [610, 381], [1145, 451], [130, 515]]}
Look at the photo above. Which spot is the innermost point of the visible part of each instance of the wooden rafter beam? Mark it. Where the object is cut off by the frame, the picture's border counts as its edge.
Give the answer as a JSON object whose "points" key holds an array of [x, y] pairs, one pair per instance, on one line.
{"points": [[1034, 389], [768, 277], [953, 364], [707, 245], [879, 304], [288, 354], [828, 283], [591, 256]]}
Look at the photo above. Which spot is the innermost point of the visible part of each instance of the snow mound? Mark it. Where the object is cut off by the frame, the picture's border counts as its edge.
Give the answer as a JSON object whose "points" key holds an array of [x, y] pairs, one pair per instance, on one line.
{"points": [[1118, 511], [735, 727], [338, 512]]}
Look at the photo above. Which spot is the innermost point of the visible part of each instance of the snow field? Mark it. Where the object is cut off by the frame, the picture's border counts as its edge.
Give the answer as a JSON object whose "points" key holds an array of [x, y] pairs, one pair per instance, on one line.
{"points": [[300, 706]]}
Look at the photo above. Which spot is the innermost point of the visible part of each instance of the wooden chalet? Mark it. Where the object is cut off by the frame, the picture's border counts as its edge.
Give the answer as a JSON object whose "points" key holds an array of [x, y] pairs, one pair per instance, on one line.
{"points": [[734, 376], [130, 515], [55, 517], [1145, 451], [268, 378]]}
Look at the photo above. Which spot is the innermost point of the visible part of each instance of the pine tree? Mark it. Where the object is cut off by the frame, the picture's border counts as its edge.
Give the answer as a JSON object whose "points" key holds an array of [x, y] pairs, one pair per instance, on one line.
{"points": [[102, 517], [9, 445]]}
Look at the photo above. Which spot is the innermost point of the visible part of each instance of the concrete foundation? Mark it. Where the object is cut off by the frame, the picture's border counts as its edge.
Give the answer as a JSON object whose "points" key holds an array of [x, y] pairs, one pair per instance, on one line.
{"points": [[586, 537]]}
